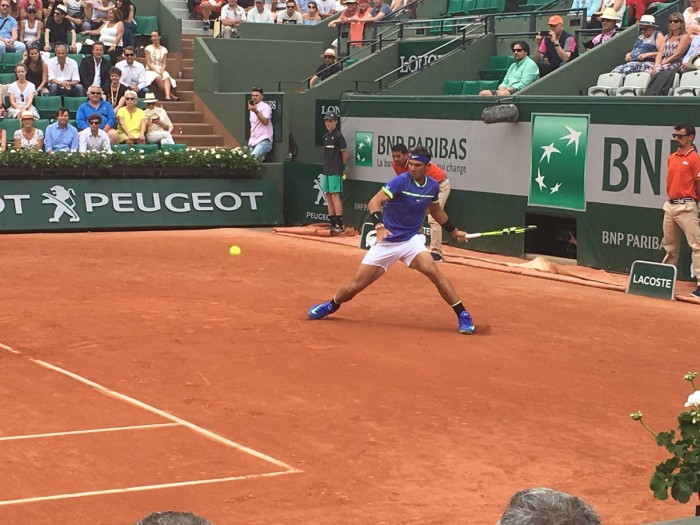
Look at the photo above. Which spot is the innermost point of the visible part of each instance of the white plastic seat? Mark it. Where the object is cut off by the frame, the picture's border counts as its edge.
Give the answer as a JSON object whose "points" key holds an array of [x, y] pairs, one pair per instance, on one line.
{"points": [[635, 85], [607, 85], [689, 85]]}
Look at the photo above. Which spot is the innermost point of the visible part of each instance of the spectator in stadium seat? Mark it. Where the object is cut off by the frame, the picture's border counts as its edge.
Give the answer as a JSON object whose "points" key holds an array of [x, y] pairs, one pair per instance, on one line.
{"points": [[114, 90], [618, 6], [351, 10], [92, 138], [28, 137], [111, 34], [690, 59], [37, 5], [209, 10], [543, 506], [259, 14], [22, 93], [156, 62], [329, 67], [311, 17], [675, 46], [378, 11], [30, 28], [8, 31], [64, 78], [645, 48], [94, 69], [521, 73], [289, 15], [609, 20], [556, 49], [128, 11], [133, 73], [326, 8], [58, 30], [95, 104], [96, 13], [158, 125], [232, 15], [589, 5], [691, 16], [37, 70], [132, 121], [61, 136]]}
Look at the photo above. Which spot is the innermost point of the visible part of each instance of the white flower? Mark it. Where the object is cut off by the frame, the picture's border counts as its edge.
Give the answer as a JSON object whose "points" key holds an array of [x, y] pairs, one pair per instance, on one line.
{"points": [[693, 400], [166, 153], [218, 156]]}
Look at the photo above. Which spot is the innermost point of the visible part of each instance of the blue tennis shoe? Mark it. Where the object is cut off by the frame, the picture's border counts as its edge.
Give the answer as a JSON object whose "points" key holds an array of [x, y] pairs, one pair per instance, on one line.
{"points": [[320, 311], [466, 325]]}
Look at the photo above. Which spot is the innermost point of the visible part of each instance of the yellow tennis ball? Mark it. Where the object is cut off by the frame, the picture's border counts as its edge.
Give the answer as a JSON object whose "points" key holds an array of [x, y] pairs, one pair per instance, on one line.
{"points": [[234, 250]]}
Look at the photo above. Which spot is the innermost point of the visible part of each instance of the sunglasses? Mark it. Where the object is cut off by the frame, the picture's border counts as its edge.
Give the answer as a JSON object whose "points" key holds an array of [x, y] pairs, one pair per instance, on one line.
{"points": [[517, 50], [129, 98], [674, 20], [94, 122], [95, 93], [128, 54], [679, 135]]}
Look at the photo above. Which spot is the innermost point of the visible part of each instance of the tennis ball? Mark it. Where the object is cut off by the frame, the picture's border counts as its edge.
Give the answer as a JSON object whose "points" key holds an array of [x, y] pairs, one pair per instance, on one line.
{"points": [[234, 250]]}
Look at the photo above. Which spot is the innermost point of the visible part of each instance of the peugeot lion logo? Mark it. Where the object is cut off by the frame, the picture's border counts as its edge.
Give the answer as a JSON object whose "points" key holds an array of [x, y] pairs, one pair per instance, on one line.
{"points": [[62, 198], [321, 196]]}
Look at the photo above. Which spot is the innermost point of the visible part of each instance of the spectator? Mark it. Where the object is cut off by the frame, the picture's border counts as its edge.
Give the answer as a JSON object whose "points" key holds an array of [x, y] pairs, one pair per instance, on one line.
{"points": [[95, 104], [132, 121], [690, 59], [555, 49], [231, 17], [378, 11], [521, 73], [61, 136], [261, 131], [675, 46], [609, 20], [691, 17], [645, 48], [8, 31], [311, 17], [96, 13], [618, 6], [133, 73], [589, 5], [58, 30], [95, 69], [128, 11], [64, 78], [173, 518], [326, 8], [636, 9], [289, 15], [156, 62], [75, 13], [329, 67], [158, 125], [111, 34], [400, 156], [28, 137], [114, 90], [30, 29], [21, 93], [260, 15], [543, 506], [92, 138], [37, 5], [3, 140], [352, 15], [37, 70], [209, 10], [681, 210], [350, 11]]}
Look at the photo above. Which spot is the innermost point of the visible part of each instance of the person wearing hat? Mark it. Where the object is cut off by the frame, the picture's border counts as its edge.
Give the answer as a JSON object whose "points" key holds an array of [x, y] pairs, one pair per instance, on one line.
{"points": [[618, 6], [645, 48], [59, 30], [92, 138], [95, 104], [335, 157], [259, 14], [158, 125], [28, 137], [609, 20], [30, 28], [328, 68], [556, 48], [8, 31]]}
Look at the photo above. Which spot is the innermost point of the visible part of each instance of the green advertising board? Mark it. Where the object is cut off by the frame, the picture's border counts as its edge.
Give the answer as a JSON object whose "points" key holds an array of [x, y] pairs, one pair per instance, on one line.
{"points": [[93, 204], [416, 55], [652, 280]]}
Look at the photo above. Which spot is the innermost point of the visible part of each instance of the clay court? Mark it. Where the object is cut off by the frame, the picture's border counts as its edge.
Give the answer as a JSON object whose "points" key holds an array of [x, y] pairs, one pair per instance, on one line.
{"points": [[148, 371]]}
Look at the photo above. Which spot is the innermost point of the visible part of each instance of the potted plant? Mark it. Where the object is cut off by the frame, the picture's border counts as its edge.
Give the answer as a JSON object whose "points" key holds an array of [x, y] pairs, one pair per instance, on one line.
{"points": [[680, 474]]}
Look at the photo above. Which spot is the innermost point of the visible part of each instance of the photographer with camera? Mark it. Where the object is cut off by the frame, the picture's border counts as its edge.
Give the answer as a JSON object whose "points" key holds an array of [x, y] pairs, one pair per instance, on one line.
{"points": [[260, 141], [554, 46]]}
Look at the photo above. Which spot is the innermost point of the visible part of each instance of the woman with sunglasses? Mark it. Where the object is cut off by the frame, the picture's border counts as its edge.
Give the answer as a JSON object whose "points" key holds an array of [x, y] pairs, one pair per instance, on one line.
{"points": [[21, 94], [28, 137], [675, 45], [132, 121], [311, 17]]}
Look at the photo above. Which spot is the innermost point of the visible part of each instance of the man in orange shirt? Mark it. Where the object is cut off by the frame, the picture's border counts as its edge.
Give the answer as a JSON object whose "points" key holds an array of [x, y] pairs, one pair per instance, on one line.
{"points": [[399, 156], [681, 209]]}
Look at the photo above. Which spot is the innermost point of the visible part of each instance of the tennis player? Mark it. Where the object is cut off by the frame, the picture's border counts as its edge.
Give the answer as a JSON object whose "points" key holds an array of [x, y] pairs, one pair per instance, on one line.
{"points": [[397, 211]]}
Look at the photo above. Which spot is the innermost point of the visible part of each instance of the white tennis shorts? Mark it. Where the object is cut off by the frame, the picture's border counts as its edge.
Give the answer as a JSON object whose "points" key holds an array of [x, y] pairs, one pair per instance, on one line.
{"points": [[385, 253]]}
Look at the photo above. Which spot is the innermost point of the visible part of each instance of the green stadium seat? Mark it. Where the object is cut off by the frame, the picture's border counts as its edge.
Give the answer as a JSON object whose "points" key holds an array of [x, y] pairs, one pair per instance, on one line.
{"points": [[146, 149], [488, 84], [498, 67], [10, 61], [118, 148], [7, 78], [73, 103], [441, 27], [42, 124], [454, 8], [531, 5], [47, 106], [471, 87], [77, 57], [469, 7], [10, 125], [452, 87], [173, 147], [145, 25], [140, 103]]}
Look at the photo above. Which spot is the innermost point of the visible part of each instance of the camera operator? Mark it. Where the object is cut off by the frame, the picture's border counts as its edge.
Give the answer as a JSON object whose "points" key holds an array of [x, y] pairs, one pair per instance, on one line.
{"points": [[260, 141], [554, 46]]}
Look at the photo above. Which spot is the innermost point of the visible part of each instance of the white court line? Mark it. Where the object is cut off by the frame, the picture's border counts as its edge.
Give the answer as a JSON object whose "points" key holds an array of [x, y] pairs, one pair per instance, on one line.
{"points": [[90, 431], [5, 347], [144, 487]]}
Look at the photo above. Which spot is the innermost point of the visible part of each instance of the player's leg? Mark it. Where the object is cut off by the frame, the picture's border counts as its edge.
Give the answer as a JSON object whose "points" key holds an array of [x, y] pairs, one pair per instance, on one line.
{"points": [[326, 188], [366, 274]]}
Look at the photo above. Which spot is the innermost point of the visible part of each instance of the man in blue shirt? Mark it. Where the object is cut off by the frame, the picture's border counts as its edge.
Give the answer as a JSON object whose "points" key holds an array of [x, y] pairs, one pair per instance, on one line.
{"points": [[398, 211], [96, 104], [61, 136], [8, 31]]}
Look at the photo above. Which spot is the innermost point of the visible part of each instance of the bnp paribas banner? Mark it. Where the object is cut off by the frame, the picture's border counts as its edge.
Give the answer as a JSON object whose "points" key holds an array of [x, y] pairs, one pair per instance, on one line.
{"points": [[558, 161], [82, 204]]}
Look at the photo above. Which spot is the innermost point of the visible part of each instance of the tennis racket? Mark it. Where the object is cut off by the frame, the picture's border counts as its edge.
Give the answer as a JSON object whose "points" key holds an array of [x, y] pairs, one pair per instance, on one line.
{"points": [[505, 231]]}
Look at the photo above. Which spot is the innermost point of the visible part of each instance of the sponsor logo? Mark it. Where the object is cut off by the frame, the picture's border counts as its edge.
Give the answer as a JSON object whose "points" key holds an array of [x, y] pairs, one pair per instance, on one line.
{"points": [[558, 161], [364, 145], [320, 195], [63, 200]]}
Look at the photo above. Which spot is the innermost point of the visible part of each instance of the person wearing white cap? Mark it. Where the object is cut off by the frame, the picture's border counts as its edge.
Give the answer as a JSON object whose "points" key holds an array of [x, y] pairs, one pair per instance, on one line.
{"points": [[158, 125], [645, 48], [28, 137], [328, 68], [58, 30]]}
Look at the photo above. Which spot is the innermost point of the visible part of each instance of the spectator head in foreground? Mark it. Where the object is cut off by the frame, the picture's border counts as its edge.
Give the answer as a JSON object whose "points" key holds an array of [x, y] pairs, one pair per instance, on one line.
{"points": [[173, 518], [544, 506]]}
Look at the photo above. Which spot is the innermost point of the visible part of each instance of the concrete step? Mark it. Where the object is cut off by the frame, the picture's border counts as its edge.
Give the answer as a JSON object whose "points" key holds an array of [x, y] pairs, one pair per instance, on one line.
{"points": [[200, 140], [187, 72], [177, 106], [198, 128], [186, 117], [187, 52], [187, 63], [185, 84], [185, 95]]}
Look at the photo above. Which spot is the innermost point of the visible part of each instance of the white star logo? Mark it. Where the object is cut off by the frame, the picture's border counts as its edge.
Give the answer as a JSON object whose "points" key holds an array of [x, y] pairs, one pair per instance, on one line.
{"points": [[572, 137], [555, 188], [540, 180], [548, 150]]}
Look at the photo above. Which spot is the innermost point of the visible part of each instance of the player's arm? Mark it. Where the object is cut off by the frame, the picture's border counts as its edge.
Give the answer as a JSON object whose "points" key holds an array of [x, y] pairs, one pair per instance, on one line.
{"points": [[375, 206], [441, 217]]}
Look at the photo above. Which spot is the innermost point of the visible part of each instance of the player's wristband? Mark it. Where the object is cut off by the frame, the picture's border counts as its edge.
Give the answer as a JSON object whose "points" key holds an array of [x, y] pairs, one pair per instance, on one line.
{"points": [[376, 217], [449, 226]]}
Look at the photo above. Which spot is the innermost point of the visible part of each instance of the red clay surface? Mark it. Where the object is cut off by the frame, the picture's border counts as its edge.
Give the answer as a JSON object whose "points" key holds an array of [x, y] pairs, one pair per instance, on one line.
{"points": [[389, 413]]}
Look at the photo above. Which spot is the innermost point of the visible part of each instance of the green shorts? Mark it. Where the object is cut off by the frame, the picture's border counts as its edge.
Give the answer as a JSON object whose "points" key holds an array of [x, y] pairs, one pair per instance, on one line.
{"points": [[332, 183]]}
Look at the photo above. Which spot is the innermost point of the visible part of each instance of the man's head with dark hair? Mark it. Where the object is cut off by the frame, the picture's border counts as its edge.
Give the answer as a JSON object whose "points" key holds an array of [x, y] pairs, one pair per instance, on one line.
{"points": [[399, 154], [400, 148], [522, 45], [422, 151], [687, 128], [257, 90]]}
